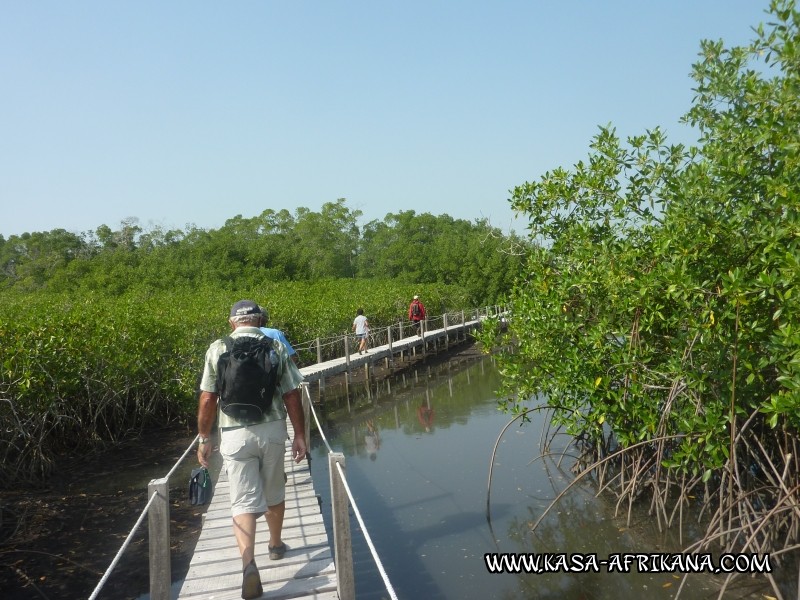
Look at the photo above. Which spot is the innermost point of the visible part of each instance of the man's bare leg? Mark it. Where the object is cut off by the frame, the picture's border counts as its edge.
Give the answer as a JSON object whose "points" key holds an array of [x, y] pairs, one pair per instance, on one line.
{"points": [[274, 517], [244, 528]]}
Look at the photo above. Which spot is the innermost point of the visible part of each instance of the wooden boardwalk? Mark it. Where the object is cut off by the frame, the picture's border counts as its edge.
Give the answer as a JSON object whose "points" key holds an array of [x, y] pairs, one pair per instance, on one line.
{"points": [[307, 570], [412, 343]]}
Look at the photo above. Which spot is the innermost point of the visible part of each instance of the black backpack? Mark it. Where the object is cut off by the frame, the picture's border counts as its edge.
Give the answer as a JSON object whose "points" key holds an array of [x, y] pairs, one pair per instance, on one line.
{"points": [[247, 375], [416, 310]]}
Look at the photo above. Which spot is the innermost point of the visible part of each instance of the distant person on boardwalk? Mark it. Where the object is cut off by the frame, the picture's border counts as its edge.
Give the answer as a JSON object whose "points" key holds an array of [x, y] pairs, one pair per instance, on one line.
{"points": [[361, 327], [416, 313], [252, 441], [276, 334]]}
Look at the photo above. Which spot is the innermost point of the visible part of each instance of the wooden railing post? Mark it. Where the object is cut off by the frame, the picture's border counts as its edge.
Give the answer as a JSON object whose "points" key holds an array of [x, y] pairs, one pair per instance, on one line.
{"points": [[402, 353], [342, 542], [305, 397], [158, 523]]}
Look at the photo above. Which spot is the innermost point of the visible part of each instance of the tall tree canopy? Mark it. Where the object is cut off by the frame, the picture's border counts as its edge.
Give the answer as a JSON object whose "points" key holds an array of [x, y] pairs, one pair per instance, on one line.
{"points": [[273, 246]]}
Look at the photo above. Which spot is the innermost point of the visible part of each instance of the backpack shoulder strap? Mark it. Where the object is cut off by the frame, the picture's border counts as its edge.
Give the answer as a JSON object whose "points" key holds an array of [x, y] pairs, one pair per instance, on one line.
{"points": [[228, 341]]}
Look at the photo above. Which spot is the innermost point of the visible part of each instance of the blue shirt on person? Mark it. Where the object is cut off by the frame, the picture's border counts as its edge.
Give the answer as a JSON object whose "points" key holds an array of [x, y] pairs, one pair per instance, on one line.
{"points": [[277, 334]]}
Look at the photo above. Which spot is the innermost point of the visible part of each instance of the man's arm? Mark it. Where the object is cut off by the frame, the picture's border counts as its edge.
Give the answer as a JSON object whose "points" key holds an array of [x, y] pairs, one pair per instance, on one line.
{"points": [[206, 414], [294, 408]]}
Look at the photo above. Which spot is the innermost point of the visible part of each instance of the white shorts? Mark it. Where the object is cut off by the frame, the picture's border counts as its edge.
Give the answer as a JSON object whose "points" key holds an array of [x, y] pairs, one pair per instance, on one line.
{"points": [[254, 462]]}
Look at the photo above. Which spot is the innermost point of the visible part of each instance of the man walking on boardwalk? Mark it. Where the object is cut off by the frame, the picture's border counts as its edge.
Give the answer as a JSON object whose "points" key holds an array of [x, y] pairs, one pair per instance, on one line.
{"points": [[416, 313], [252, 441]]}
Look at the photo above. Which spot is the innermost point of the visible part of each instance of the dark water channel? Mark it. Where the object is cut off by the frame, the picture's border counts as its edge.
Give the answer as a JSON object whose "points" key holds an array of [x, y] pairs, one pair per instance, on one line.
{"points": [[418, 451]]}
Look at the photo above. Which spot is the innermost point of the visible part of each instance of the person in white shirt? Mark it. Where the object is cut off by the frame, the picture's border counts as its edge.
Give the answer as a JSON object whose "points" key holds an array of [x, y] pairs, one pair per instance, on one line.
{"points": [[361, 327]]}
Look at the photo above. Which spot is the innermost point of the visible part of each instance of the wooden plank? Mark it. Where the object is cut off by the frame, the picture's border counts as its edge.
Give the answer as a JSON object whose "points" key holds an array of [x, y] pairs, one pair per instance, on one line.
{"points": [[306, 571], [229, 588]]}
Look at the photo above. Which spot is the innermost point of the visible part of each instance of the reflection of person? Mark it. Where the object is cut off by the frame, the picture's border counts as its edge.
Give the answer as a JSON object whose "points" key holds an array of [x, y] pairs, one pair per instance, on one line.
{"points": [[253, 452], [425, 416], [361, 327], [276, 334], [416, 313], [372, 440]]}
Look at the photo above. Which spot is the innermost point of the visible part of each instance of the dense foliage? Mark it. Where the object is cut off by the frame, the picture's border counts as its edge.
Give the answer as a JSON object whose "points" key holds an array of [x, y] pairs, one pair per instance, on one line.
{"points": [[104, 331], [274, 246], [81, 369], [661, 305]]}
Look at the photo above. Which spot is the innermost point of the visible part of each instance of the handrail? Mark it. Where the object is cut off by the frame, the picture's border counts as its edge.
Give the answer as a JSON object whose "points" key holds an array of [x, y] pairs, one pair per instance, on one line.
{"points": [[180, 460], [356, 512], [330, 342], [372, 549], [122, 549], [128, 539], [314, 413]]}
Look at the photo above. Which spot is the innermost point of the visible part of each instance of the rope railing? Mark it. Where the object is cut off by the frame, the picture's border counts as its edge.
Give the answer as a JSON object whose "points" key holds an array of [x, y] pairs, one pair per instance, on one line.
{"points": [[153, 497], [331, 347], [356, 511], [122, 549]]}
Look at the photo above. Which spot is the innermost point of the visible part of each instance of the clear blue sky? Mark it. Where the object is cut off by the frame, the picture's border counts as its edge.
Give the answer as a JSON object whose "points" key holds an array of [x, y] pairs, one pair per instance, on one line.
{"points": [[184, 112]]}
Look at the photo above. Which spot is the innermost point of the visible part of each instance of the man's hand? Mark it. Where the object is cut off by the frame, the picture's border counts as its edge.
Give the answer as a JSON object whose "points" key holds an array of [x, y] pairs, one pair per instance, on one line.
{"points": [[206, 414], [299, 447], [204, 453]]}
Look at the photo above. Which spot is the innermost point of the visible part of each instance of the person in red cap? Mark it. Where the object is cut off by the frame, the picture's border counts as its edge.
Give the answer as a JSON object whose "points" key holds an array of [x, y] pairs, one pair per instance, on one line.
{"points": [[252, 440]]}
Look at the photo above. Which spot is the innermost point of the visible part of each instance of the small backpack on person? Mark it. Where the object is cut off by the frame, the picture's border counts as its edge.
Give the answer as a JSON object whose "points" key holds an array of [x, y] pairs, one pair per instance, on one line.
{"points": [[416, 310], [247, 375]]}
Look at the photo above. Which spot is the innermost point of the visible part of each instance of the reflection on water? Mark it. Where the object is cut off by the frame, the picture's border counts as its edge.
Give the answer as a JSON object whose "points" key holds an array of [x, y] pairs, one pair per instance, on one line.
{"points": [[418, 451]]}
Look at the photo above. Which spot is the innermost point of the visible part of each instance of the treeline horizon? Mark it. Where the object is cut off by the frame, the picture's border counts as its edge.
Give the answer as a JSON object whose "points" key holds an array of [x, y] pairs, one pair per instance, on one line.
{"points": [[273, 246]]}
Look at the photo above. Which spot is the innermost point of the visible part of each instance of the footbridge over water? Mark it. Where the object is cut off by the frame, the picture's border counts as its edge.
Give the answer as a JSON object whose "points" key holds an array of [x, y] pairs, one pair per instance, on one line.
{"points": [[308, 569]]}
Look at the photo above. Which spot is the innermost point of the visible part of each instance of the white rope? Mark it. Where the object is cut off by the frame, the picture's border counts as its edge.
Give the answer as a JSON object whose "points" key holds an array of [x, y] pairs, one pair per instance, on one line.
{"points": [[372, 549], [114, 562], [136, 526], [180, 460], [316, 419]]}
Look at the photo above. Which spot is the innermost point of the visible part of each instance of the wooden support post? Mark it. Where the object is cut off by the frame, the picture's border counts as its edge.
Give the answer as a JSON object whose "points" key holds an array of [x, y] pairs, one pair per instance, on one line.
{"points": [[306, 400], [158, 533], [321, 380], [389, 356], [402, 352], [446, 334], [342, 542]]}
